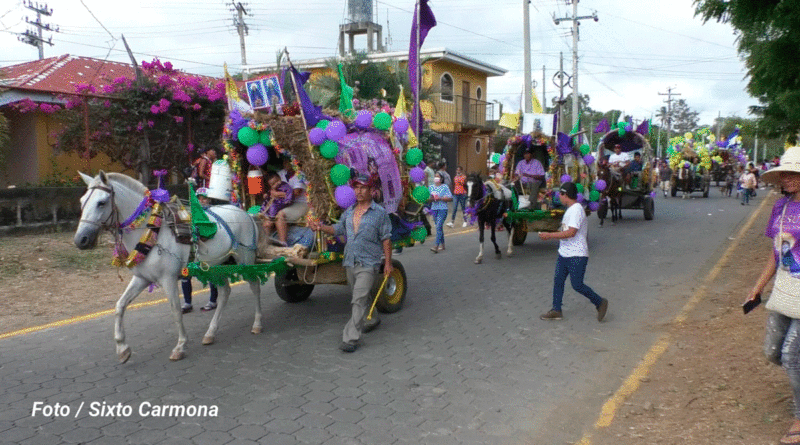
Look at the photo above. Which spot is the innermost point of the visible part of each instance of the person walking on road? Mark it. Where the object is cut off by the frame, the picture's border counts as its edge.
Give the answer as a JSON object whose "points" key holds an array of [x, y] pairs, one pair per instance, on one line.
{"points": [[782, 340], [368, 230], [748, 180], [459, 195], [573, 255], [440, 196]]}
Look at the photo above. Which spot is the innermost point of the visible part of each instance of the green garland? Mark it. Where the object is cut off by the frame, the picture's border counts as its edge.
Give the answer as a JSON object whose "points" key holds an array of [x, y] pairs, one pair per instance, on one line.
{"points": [[224, 274], [532, 215]]}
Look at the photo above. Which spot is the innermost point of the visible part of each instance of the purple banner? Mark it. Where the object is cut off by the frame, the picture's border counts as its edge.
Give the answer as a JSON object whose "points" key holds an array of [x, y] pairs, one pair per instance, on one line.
{"points": [[426, 22]]}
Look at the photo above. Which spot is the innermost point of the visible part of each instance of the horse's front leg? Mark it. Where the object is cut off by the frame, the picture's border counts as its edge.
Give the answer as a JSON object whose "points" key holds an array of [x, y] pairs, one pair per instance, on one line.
{"points": [[223, 292], [135, 287], [510, 228], [255, 288], [170, 286], [479, 258], [497, 253]]}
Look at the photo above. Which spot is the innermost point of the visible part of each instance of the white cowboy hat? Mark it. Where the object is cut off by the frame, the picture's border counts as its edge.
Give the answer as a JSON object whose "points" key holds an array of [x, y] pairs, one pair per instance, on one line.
{"points": [[790, 162]]}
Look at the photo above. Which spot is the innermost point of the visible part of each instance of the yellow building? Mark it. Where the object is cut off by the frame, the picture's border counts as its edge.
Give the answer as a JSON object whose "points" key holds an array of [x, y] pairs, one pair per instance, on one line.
{"points": [[458, 110]]}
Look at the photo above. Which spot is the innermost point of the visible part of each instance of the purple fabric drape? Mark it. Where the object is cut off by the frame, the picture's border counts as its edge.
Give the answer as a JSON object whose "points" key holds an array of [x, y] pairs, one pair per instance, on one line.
{"points": [[563, 145], [426, 22], [644, 127]]}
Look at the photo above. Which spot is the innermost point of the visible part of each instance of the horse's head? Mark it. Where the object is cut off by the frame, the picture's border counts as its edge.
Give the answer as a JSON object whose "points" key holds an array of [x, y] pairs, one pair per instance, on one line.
{"points": [[97, 210], [474, 188]]}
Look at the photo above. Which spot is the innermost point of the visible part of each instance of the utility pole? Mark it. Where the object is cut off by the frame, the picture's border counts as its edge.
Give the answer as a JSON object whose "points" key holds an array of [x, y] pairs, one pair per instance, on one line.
{"points": [[526, 35], [669, 95], [575, 37], [241, 28], [544, 96], [34, 37], [560, 76], [719, 123]]}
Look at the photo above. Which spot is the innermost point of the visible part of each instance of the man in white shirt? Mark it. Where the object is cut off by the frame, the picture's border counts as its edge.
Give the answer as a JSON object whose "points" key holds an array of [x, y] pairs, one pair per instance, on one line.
{"points": [[619, 159], [573, 255]]}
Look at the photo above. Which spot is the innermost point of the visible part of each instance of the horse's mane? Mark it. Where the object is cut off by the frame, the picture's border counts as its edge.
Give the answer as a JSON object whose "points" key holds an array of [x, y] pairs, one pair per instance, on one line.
{"points": [[127, 182]]}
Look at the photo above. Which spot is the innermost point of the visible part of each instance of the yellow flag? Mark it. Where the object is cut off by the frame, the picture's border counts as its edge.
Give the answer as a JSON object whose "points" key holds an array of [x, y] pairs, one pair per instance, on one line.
{"points": [[537, 107], [509, 120]]}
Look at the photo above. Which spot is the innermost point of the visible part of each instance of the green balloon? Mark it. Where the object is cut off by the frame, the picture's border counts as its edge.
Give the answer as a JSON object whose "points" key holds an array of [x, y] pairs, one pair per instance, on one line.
{"points": [[382, 121], [329, 149], [247, 136], [585, 149], [621, 131], [340, 174], [579, 186], [419, 233], [594, 195], [265, 138], [413, 157], [323, 124], [421, 194]]}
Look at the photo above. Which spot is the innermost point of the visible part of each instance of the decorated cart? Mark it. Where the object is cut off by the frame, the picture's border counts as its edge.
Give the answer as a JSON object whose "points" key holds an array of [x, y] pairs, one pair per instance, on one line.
{"points": [[562, 162], [326, 149], [690, 161], [625, 189]]}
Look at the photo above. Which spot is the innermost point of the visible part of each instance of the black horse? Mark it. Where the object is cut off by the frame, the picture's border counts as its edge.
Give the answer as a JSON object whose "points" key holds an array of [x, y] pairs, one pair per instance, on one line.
{"points": [[611, 196], [489, 203]]}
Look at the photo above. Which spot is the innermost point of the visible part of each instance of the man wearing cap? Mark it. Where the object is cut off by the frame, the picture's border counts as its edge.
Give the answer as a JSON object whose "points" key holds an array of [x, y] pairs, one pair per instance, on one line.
{"points": [[368, 230], [573, 255], [530, 173]]}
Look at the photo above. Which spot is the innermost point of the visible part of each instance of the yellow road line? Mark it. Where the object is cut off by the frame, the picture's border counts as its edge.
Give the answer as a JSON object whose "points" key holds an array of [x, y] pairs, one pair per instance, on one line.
{"points": [[632, 382], [92, 316]]}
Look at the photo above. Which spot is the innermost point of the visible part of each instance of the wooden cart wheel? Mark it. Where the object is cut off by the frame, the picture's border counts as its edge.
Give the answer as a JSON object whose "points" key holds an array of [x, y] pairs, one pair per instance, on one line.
{"points": [[649, 207], [394, 293], [290, 289]]}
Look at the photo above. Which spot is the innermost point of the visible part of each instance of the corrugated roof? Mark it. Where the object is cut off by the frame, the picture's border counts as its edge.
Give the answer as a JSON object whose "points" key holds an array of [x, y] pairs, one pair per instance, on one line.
{"points": [[61, 74]]}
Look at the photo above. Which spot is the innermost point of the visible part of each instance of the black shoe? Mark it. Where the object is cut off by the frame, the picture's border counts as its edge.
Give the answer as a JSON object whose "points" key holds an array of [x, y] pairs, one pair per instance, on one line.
{"points": [[601, 310], [370, 325], [348, 347], [186, 308]]}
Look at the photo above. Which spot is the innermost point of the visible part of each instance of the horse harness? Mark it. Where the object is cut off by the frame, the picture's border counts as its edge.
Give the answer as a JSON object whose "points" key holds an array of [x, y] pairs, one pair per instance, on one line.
{"points": [[113, 217]]}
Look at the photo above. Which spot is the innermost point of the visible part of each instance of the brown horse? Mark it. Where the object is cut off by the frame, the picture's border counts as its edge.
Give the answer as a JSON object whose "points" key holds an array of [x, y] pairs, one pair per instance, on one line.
{"points": [[611, 196]]}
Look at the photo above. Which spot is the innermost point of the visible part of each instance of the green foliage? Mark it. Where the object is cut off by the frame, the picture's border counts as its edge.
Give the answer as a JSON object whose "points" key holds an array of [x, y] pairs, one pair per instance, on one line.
{"points": [[431, 151], [769, 36]]}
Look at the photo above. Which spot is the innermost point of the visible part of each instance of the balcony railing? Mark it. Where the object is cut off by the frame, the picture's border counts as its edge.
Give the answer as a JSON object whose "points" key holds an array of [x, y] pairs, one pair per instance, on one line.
{"points": [[462, 112]]}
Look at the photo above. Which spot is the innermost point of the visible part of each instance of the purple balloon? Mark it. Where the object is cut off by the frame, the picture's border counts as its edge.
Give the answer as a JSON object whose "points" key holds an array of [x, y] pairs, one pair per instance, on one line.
{"points": [[600, 185], [557, 198], [580, 198], [257, 154], [363, 119], [687, 164], [566, 178], [588, 159], [417, 174], [316, 136], [628, 127], [336, 130], [345, 196], [400, 125], [593, 206], [653, 194]]}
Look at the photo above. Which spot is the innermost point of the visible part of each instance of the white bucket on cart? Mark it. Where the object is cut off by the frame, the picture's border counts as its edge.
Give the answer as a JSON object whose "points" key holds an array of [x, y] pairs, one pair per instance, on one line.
{"points": [[219, 186]]}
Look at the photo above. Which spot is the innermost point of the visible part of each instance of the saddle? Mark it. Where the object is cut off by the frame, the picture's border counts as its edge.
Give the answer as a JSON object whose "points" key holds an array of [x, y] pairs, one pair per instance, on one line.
{"points": [[178, 218]]}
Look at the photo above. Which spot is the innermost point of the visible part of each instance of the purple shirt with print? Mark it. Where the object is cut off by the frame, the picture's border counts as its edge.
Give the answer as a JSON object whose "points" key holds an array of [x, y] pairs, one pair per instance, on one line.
{"points": [[534, 167]]}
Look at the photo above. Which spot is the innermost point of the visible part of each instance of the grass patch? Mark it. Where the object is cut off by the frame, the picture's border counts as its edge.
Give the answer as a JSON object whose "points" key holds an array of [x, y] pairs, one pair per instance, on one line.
{"points": [[80, 260]]}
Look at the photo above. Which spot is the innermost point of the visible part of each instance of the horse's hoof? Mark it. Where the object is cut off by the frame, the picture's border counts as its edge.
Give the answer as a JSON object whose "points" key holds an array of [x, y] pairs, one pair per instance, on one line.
{"points": [[510, 254], [208, 340], [256, 330], [124, 355], [478, 261], [176, 355], [498, 256]]}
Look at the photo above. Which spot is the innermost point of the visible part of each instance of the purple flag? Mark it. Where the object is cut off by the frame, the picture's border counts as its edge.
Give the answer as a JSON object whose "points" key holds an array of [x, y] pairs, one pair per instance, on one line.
{"points": [[312, 113], [644, 127], [426, 22], [563, 145], [602, 126]]}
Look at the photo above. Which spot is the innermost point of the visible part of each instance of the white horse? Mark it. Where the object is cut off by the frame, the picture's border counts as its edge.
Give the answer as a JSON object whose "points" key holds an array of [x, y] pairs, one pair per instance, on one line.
{"points": [[114, 197]]}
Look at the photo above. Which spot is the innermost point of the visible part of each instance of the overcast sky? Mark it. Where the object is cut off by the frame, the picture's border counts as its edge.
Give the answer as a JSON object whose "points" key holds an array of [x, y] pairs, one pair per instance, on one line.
{"points": [[636, 50]]}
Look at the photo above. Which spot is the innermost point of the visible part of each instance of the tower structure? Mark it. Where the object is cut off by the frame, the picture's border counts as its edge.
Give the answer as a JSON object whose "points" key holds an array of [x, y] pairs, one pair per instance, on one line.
{"points": [[360, 20]]}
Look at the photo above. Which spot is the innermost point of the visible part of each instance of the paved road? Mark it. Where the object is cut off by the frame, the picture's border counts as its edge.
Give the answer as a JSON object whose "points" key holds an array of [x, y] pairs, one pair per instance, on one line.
{"points": [[467, 361]]}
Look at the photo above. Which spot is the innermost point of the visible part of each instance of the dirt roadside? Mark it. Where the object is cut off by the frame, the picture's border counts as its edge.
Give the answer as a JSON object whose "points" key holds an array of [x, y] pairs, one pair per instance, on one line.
{"points": [[711, 386]]}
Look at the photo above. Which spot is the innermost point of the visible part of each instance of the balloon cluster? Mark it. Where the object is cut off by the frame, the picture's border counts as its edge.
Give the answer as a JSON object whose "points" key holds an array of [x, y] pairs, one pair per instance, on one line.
{"points": [[256, 141]]}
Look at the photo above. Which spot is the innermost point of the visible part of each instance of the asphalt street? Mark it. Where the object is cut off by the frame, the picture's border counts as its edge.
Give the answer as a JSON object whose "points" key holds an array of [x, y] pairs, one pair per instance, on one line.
{"points": [[467, 360]]}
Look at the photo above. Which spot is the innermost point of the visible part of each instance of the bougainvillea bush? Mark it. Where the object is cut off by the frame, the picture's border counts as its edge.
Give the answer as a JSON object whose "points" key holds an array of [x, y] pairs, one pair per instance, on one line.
{"points": [[157, 122]]}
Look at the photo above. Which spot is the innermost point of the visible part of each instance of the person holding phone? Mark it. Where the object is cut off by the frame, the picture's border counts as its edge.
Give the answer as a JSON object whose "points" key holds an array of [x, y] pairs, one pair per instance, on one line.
{"points": [[782, 340]]}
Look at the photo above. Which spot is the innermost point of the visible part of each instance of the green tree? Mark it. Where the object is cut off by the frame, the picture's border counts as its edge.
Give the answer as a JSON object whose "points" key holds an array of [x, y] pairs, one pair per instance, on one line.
{"points": [[768, 37], [684, 118]]}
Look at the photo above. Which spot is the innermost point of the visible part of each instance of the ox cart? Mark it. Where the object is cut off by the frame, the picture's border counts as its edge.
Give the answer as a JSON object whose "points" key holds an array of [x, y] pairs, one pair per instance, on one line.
{"points": [[626, 187]]}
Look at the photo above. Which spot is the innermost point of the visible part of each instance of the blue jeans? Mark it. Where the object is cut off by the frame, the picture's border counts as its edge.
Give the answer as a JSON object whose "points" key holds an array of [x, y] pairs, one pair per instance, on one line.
{"points": [[439, 216], [459, 199], [186, 286], [575, 267], [782, 345], [746, 195]]}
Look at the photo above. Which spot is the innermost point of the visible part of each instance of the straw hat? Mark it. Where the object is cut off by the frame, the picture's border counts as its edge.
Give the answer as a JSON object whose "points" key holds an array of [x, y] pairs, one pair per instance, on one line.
{"points": [[790, 162]]}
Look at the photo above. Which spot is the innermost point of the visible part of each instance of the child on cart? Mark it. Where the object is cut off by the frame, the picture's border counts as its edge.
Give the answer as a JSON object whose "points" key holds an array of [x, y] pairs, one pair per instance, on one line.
{"points": [[279, 195]]}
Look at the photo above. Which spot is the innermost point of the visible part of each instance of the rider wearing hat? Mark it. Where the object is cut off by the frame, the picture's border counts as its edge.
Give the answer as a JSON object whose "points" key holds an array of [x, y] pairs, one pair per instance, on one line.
{"points": [[530, 173]]}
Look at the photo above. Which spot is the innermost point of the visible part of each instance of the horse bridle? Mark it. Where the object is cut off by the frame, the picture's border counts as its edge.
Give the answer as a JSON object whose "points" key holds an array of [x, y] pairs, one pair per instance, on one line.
{"points": [[113, 217]]}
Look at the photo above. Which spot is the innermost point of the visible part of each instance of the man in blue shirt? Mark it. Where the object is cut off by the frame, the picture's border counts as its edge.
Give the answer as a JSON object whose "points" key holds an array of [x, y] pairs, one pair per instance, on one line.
{"points": [[368, 230]]}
